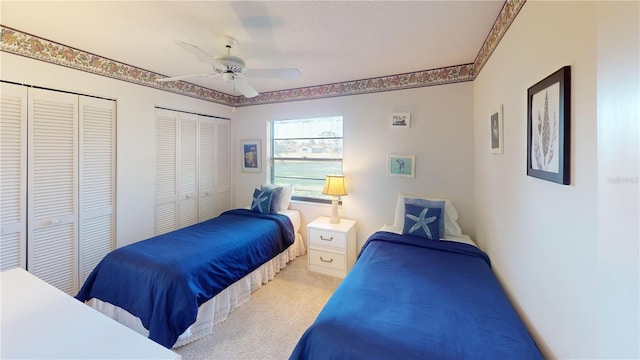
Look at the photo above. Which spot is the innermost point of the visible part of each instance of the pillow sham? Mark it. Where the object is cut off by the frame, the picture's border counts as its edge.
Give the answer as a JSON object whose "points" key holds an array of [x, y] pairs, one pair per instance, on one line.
{"points": [[275, 198], [422, 221], [285, 196], [450, 214], [426, 203], [261, 201]]}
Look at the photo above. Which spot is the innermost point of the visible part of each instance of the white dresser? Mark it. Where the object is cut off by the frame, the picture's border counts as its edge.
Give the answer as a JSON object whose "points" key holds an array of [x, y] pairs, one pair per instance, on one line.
{"points": [[332, 247], [41, 322]]}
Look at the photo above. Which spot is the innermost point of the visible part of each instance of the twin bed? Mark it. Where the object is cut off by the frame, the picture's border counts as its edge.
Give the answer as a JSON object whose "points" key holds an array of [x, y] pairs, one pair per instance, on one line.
{"points": [[408, 297], [174, 287]]}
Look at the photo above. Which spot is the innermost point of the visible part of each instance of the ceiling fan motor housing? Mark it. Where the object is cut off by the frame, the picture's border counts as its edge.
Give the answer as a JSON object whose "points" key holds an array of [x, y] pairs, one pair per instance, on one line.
{"points": [[233, 64]]}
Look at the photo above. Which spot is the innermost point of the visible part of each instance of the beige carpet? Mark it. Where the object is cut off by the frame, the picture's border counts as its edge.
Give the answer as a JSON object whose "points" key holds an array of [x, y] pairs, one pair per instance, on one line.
{"points": [[270, 324]]}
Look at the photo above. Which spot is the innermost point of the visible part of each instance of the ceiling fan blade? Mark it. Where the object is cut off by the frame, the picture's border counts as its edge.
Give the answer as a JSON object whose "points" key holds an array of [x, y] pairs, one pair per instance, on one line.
{"points": [[200, 54], [247, 90], [274, 73], [175, 78]]}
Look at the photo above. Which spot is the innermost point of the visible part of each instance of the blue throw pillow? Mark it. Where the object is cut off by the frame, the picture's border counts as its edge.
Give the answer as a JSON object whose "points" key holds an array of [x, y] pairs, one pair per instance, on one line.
{"points": [[429, 204], [421, 221], [261, 201], [275, 199]]}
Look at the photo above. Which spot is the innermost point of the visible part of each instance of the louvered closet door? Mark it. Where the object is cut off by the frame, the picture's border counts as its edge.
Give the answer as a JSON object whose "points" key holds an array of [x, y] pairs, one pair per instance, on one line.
{"points": [[52, 230], [166, 209], [223, 168], [97, 181], [188, 170], [206, 167], [13, 179]]}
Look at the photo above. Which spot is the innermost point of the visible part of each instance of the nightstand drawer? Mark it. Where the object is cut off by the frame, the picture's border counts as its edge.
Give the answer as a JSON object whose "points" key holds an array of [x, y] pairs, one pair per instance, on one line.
{"points": [[323, 237], [326, 259]]}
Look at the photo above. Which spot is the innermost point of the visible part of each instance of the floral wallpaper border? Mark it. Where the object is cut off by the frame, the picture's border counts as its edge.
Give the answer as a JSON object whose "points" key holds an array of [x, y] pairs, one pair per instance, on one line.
{"points": [[424, 78], [506, 16], [20, 43]]}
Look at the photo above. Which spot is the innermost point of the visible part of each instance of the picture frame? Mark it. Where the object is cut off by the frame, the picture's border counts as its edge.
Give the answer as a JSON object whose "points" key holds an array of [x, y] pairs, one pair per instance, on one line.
{"points": [[251, 155], [496, 131], [400, 120], [401, 165], [548, 127]]}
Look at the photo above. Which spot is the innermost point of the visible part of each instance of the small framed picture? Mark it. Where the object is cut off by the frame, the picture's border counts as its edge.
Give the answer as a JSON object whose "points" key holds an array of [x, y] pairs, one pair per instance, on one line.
{"points": [[497, 132], [401, 165], [548, 127], [251, 159], [400, 120]]}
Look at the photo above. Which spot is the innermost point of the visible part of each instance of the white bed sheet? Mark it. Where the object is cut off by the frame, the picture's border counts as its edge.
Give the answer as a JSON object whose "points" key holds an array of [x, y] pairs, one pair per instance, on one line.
{"points": [[217, 309], [463, 239], [294, 216]]}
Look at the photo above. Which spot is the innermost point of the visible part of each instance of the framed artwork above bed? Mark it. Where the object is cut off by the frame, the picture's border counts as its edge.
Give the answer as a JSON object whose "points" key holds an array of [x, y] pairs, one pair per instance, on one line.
{"points": [[251, 157], [401, 165], [400, 120]]}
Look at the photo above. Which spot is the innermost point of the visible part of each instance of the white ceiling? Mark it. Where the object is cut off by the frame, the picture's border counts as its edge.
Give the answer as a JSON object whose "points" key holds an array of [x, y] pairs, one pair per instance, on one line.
{"points": [[328, 41]]}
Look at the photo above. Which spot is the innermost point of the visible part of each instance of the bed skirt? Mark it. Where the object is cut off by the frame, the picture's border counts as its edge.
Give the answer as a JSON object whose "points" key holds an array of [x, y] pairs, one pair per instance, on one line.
{"points": [[217, 309]]}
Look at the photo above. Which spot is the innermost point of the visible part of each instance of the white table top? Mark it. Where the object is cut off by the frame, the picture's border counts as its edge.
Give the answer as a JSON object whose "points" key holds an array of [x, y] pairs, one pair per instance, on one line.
{"points": [[38, 321]]}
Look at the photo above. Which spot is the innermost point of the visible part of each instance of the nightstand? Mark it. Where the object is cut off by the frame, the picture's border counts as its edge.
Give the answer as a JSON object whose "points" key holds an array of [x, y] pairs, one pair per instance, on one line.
{"points": [[332, 247]]}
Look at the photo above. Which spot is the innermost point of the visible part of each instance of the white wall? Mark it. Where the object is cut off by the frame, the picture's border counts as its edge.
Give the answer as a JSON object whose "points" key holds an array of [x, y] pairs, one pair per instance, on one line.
{"points": [[135, 132], [543, 238], [618, 90], [440, 137]]}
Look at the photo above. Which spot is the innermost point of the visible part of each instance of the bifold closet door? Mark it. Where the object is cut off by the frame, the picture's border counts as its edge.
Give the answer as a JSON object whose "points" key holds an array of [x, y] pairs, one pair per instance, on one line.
{"points": [[222, 167], [58, 183], [206, 168], [52, 209], [187, 170], [176, 170], [13, 178], [166, 207], [192, 169], [97, 168]]}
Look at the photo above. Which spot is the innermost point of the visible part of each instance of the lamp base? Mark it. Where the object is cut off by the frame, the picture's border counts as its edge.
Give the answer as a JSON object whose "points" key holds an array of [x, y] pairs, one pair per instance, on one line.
{"points": [[334, 211]]}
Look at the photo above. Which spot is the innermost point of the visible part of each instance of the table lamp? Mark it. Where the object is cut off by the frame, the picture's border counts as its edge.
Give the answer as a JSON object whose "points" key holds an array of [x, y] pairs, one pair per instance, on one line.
{"points": [[334, 186]]}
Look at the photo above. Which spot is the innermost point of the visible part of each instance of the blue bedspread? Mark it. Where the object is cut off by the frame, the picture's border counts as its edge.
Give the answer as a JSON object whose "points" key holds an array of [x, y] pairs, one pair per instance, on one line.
{"points": [[163, 280], [408, 298]]}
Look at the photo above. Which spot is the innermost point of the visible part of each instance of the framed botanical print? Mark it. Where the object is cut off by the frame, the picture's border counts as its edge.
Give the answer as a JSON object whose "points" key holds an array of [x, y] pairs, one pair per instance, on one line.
{"points": [[548, 127]]}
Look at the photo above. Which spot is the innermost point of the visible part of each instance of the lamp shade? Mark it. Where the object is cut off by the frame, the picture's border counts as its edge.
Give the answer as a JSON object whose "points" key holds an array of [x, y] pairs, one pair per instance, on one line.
{"points": [[334, 185]]}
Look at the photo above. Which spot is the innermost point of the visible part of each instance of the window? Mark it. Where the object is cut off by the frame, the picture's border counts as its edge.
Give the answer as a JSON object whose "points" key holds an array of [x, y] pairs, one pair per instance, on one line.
{"points": [[303, 152]]}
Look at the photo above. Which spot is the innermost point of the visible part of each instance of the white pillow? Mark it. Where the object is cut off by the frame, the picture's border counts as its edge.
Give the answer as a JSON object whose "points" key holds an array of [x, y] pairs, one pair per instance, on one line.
{"points": [[285, 197], [451, 226]]}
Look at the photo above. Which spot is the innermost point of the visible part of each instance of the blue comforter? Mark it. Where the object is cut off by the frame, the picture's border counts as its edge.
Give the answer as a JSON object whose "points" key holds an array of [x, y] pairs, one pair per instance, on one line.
{"points": [[163, 280], [408, 298]]}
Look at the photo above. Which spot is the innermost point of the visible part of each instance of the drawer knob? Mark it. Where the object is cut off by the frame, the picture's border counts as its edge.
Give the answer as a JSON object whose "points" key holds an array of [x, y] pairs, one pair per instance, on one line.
{"points": [[327, 261], [326, 239]]}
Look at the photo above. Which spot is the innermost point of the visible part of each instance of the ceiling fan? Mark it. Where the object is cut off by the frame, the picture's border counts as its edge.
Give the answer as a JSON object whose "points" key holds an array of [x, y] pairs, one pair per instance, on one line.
{"points": [[232, 69]]}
